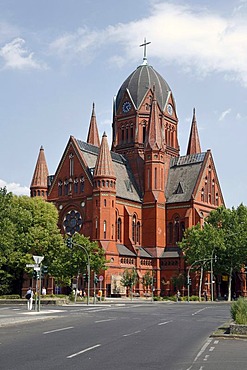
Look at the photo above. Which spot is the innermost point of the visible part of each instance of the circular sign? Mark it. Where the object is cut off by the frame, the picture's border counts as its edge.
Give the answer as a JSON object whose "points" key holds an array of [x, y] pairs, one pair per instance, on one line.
{"points": [[101, 278]]}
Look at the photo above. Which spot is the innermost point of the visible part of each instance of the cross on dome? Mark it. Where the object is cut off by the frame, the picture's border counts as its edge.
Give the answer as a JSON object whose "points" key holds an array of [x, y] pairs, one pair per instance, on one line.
{"points": [[145, 51]]}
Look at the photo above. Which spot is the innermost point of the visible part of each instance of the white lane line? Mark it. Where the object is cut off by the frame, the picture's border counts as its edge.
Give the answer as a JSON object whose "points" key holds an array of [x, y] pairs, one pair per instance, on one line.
{"points": [[57, 330], [211, 349], [165, 322], [135, 332], [202, 349], [216, 342], [84, 350], [195, 313], [96, 322]]}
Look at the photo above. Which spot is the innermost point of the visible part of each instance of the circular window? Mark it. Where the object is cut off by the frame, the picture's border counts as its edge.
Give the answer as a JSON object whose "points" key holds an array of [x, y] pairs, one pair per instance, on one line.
{"points": [[72, 222]]}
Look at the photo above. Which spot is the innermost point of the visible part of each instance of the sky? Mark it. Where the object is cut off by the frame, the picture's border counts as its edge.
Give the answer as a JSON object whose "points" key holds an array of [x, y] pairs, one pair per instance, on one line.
{"points": [[58, 57]]}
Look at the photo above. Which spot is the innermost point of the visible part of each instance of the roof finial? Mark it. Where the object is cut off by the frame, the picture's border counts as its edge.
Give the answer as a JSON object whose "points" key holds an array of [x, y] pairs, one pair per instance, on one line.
{"points": [[145, 51]]}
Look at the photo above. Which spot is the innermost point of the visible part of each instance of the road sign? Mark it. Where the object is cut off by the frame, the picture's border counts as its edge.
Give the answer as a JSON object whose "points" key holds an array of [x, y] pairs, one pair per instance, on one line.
{"points": [[31, 265], [36, 268], [101, 278], [38, 259]]}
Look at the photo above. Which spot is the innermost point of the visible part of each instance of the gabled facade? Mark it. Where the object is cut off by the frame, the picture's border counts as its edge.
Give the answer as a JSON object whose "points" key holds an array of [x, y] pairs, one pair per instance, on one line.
{"points": [[137, 199]]}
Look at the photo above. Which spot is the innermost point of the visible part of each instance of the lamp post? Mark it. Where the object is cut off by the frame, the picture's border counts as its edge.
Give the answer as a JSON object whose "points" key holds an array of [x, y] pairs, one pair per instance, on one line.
{"points": [[88, 266], [188, 273]]}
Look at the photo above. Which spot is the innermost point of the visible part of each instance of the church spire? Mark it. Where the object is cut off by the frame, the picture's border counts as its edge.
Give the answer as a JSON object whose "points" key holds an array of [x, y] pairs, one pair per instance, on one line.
{"points": [[194, 141], [154, 139], [39, 185], [104, 165], [93, 134]]}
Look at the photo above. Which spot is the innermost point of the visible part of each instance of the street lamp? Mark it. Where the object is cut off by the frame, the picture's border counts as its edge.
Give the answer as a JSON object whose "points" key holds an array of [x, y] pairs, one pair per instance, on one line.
{"points": [[188, 273], [71, 243]]}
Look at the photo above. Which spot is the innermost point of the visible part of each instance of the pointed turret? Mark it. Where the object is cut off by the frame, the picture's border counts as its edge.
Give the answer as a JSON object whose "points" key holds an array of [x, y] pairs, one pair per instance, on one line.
{"points": [[93, 134], [104, 193], [154, 139], [39, 185], [104, 165], [194, 141]]}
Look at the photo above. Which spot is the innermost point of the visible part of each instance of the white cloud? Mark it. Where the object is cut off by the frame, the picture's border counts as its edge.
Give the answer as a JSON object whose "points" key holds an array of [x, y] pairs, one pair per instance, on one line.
{"points": [[224, 114], [14, 188], [15, 56], [197, 40]]}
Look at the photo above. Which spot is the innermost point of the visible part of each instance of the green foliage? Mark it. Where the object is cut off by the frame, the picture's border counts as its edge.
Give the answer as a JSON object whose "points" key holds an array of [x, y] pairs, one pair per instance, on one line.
{"points": [[71, 261], [10, 296], [239, 311], [224, 235], [28, 226], [129, 278], [147, 280], [178, 281]]}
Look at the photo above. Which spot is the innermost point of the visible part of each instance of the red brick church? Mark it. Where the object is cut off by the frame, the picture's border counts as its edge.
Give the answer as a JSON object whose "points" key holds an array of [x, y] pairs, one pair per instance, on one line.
{"points": [[137, 198]]}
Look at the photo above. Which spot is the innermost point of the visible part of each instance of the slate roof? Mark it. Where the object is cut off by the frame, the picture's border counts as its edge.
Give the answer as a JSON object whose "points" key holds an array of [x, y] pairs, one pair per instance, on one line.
{"points": [[125, 184], [182, 178], [140, 81]]}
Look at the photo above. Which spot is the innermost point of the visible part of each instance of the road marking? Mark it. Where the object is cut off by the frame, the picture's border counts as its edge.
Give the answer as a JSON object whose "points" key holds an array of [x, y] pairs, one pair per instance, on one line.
{"points": [[96, 322], [135, 332], [84, 350], [206, 358], [211, 349], [56, 330], [202, 349], [165, 322], [216, 342], [195, 313]]}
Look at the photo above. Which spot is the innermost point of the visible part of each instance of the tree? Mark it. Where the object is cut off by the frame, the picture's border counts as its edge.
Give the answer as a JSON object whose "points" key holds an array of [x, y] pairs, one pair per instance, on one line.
{"points": [[232, 224], [28, 226], [73, 261], [147, 281], [129, 279], [199, 245], [224, 236]]}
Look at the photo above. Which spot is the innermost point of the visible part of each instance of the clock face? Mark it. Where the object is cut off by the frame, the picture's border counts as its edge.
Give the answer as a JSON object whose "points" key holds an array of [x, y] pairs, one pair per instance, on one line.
{"points": [[126, 106], [169, 109]]}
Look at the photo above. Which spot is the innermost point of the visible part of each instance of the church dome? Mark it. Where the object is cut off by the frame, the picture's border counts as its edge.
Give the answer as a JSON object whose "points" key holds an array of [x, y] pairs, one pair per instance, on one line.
{"points": [[139, 82]]}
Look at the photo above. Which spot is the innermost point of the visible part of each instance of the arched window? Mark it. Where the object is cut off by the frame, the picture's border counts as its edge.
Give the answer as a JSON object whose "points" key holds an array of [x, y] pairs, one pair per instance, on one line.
{"points": [[143, 134], [60, 188], [170, 233], [76, 186], [119, 227], [66, 187], [96, 228], [138, 227], [134, 228], [176, 229], [82, 184], [104, 229]]}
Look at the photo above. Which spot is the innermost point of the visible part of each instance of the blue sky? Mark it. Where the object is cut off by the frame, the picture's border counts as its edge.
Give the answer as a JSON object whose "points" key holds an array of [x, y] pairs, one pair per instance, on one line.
{"points": [[57, 57]]}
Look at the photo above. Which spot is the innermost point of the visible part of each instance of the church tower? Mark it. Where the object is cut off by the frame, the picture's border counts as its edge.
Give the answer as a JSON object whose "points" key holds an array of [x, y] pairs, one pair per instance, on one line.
{"points": [[104, 194], [39, 186], [154, 186], [131, 117]]}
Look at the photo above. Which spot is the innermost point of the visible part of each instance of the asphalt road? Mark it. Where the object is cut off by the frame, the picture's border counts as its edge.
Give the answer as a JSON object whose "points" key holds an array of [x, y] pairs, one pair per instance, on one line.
{"points": [[173, 336]]}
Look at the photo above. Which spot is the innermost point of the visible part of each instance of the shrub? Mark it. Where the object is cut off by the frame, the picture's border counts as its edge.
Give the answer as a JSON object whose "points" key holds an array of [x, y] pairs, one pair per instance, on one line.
{"points": [[10, 296], [239, 311]]}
